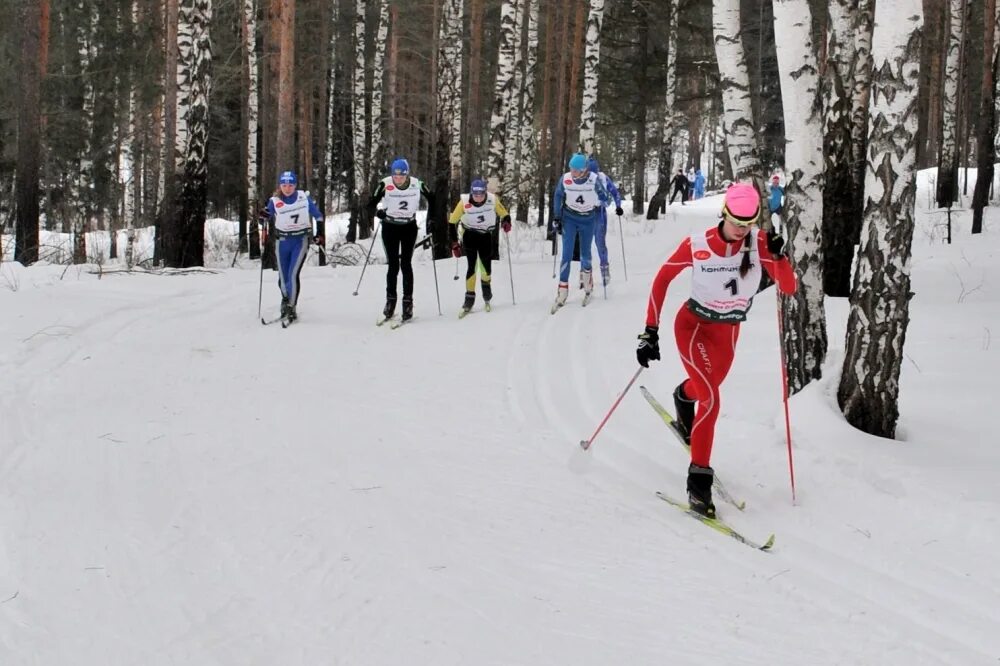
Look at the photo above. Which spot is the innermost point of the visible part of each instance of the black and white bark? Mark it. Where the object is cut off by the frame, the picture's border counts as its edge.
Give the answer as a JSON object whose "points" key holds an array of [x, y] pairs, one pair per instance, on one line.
{"points": [[592, 57], [503, 93], [664, 169], [869, 388], [527, 165], [734, 81]]}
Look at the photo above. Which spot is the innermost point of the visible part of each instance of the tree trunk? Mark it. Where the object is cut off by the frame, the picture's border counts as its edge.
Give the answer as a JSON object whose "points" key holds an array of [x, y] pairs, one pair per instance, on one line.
{"points": [[168, 237], [513, 114], [986, 127], [376, 148], [947, 175], [503, 92], [448, 165], [591, 59], [249, 205], [868, 392], [528, 163], [734, 80], [359, 226], [803, 314], [33, 22], [284, 150], [664, 169]]}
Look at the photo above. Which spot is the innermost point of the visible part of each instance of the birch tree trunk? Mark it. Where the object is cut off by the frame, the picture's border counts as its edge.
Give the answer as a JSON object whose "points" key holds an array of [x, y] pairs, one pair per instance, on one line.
{"points": [[359, 225], [81, 199], [249, 229], [803, 314], [377, 145], [664, 169], [167, 233], [194, 70], [503, 93], [130, 147], [986, 127], [592, 56], [868, 392], [947, 173], [527, 165], [860, 97], [734, 81], [32, 19], [513, 114], [331, 109], [448, 151]]}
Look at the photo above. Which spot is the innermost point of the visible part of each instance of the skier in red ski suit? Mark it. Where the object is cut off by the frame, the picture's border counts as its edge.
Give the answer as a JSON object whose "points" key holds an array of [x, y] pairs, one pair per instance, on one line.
{"points": [[727, 261]]}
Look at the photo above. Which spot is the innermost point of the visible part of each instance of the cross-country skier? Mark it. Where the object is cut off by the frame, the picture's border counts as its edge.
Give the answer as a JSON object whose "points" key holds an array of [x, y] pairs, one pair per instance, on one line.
{"points": [[576, 204], [478, 211], [727, 260], [399, 229], [291, 213], [601, 226], [681, 184]]}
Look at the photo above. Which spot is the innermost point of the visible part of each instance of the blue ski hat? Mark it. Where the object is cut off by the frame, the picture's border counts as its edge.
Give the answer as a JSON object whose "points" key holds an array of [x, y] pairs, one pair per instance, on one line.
{"points": [[478, 186], [288, 178], [400, 167], [578, 162], [593, 165]]}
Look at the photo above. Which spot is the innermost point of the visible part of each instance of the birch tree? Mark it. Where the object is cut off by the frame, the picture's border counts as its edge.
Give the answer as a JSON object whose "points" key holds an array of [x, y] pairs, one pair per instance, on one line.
{"points": [[592, 56], [503, 93], [250, 104], [947, 173], [664, 169], [81, 190], [360, 152], [868, 392], [527, 165], [803, 314], [734, 81], [377, 145], [449, 93], [513, 115]]}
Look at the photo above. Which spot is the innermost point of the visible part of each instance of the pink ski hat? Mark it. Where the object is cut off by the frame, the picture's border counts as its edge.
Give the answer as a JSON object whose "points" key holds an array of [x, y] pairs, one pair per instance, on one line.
{"points": [[742, 206]]}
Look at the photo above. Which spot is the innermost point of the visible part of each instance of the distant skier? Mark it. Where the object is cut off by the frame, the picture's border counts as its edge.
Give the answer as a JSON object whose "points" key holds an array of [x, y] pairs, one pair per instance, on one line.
{"points": [[576, 204], [727, 260], [601, 226], [776, 201], [291, 213], [680, 183], [399, 230], [478, 211], [699, 184]]}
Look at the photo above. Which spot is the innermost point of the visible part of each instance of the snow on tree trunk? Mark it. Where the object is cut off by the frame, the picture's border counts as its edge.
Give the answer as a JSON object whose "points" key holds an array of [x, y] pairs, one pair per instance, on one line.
{"points": [[734, 81], [194, 69], [947, 174], [528, 163], [868, 392], [803, 314], [503, 93], [664, 170], [376, 147], [251, 101], [592, 56]]}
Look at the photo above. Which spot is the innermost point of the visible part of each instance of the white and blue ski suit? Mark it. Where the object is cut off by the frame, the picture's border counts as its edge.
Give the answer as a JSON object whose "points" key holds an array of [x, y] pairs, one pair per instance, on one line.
{"points": [[601, 226], [577, 205], [292, 219]]}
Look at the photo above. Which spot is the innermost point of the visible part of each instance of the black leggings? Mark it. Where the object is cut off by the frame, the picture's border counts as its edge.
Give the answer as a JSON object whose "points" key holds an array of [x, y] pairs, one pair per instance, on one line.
{"points": [[477, 245], [398, 241]]}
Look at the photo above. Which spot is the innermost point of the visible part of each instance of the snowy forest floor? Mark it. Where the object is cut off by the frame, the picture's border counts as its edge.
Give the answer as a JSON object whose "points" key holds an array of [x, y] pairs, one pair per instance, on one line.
{"points": [[180, 485]]}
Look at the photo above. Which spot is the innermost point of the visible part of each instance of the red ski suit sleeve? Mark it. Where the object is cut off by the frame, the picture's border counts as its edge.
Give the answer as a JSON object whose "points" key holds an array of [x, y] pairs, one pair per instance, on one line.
{"points": [[780, 269]]}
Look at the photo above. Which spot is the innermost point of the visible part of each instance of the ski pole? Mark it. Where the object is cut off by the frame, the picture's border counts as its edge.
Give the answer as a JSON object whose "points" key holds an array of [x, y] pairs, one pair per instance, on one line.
{"points": [[436, 291], [784, 396], [621, 234], [585, 443], [456, 267], [367, 257], [260, 291], [510, 271]]}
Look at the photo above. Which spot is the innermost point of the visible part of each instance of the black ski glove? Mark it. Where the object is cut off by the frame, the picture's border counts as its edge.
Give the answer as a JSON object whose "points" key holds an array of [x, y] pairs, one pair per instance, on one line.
{"points": [[775, 244], [380, 213], [557, 226], [649, 346], [619, 211]]}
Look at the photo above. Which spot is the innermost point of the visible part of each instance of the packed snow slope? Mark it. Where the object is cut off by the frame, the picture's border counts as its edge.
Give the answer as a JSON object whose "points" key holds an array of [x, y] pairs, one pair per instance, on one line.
{"points": [[181, 485]]}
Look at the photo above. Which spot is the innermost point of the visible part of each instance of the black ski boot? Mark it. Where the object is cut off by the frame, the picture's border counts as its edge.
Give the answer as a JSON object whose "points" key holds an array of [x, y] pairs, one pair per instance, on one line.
{"points": [[699, 487], [390, 308], [685, 412], [487, 292], [286, 308], [407, 308], [470, 300]]}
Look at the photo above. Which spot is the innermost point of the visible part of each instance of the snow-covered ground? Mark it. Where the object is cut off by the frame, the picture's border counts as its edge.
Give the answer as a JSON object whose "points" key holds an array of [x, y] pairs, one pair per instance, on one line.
{"points": [[180, 485]]}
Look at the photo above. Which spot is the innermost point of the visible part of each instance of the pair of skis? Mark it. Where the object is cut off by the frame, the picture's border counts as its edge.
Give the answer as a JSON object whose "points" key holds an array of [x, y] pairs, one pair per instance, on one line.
{"points": [[393, 322], [587, 297], [285, 321], [715, 523], [463, 313]]}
